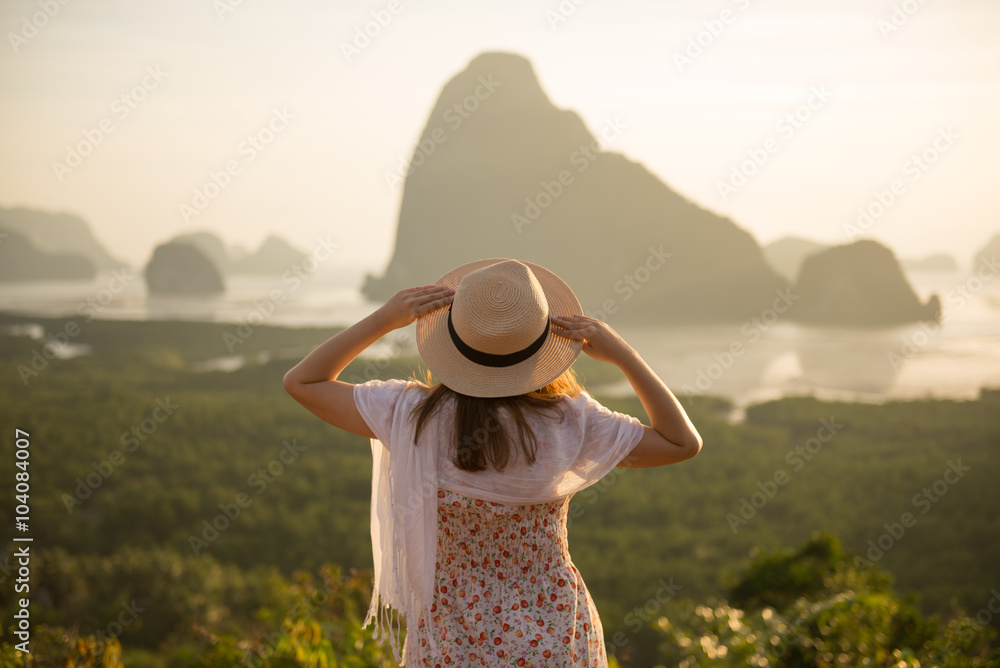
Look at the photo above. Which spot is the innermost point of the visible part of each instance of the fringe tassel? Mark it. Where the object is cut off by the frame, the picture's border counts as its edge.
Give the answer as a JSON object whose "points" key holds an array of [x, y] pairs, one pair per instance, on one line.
{"points": [[384, 615], [401, 590]]}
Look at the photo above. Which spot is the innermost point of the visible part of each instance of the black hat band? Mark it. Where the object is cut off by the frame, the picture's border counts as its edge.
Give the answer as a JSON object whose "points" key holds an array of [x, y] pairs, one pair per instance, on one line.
{"points": [[491, 360]]}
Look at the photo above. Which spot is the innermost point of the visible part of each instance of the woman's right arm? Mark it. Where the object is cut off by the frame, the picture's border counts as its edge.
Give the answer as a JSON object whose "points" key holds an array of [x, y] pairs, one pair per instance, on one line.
{"points": [[672, 437]]}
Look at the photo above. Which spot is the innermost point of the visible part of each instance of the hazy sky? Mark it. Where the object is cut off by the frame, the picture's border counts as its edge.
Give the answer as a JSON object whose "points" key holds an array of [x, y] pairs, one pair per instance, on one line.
{"points": [[200, 76]]}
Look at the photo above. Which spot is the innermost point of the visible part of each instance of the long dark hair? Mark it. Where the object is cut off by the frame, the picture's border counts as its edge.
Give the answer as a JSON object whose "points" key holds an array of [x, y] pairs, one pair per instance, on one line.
{"points": [[480, 437]]}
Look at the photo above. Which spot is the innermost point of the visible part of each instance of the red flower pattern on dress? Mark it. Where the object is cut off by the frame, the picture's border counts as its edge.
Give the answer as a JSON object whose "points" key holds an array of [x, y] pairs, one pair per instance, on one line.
{"points": [[507, 591]]}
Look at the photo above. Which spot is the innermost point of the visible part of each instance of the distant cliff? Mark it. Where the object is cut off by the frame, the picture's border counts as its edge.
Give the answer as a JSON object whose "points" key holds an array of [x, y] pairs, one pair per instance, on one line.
{"points": [[58, 233], [182, 267], [934, 262], [209, 244], [858, 284], [988, 255], [21, 260], [500, 172], [787, 254], [274, 257], [173, 270]]}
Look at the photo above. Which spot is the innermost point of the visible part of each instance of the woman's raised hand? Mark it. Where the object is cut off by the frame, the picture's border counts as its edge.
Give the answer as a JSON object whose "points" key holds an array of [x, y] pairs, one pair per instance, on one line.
{"points": [[410, 303], [599, 340]]}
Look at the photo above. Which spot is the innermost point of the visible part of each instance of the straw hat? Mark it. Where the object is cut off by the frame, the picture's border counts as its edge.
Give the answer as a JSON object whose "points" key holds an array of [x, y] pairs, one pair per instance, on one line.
{"points": [[494, 340]]}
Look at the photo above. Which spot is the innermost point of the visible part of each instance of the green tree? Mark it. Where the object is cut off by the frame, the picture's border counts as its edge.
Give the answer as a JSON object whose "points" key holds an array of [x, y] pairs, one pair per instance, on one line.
{"points": [[814, 608]]}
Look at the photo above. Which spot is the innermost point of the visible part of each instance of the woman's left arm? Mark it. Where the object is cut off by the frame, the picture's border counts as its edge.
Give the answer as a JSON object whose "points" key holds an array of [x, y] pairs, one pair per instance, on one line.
{"points": [[313, 381]]}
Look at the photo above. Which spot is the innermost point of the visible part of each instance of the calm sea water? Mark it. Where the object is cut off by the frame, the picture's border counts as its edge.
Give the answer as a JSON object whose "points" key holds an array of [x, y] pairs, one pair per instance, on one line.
{"points": [[747, 362]]}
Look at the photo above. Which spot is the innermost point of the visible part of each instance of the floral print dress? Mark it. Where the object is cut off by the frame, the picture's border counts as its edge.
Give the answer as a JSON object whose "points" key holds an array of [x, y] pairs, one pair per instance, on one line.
{"points": [[507, 592]]}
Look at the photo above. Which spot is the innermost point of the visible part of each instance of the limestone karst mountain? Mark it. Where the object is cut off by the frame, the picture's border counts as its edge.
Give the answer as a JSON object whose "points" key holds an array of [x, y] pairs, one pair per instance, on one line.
{"points": [[21, 260], [182, 267], [786, 254], [858, 284], [58, 234], [499, 171], [933, 262], [986, 258], [206, 270], [210, 244], [273, 257]]}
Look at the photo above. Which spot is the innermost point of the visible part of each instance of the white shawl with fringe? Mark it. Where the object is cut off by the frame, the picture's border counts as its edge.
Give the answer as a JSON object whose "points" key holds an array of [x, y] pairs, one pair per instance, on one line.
{"points": [[571, 455]]}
